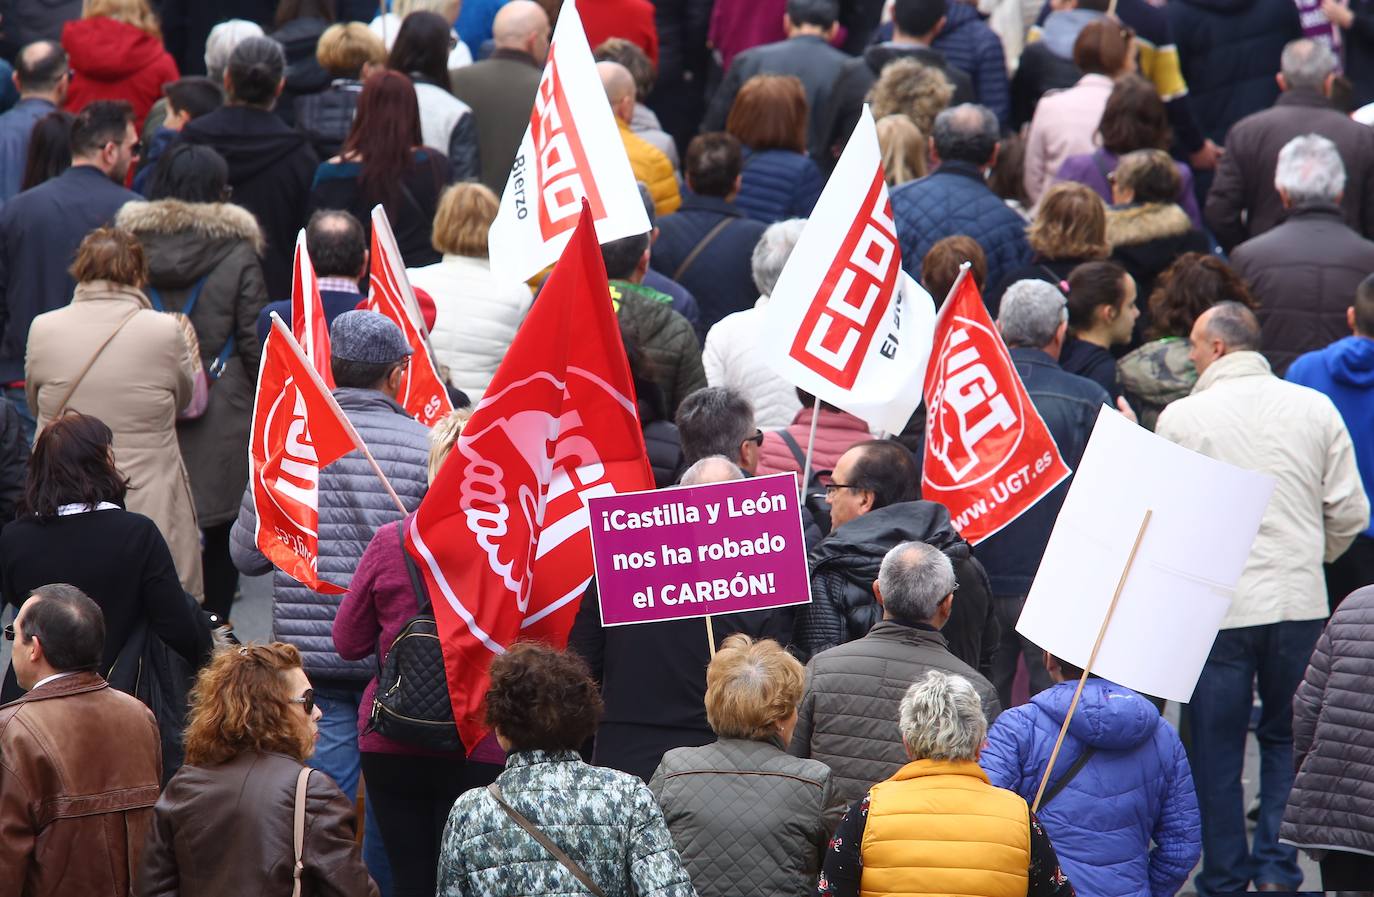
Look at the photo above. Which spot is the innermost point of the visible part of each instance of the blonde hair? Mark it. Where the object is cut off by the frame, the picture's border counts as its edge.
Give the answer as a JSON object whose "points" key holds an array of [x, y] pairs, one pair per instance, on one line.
{"points": [[131, 12], [345, 47], [906, 87], [446, 8], [240, 703], [1071, 223], [751, 686], [444, 436], [463, 220], [903, 147]]}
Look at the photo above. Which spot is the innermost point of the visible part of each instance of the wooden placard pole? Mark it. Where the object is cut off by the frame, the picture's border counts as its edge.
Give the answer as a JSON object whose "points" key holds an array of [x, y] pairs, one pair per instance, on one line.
{"points": [[1092, 659], [710, 635]]}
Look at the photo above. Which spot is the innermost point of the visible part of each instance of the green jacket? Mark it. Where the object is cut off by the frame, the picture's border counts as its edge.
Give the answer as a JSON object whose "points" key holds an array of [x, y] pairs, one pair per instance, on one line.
{"points": [[663, 336]]}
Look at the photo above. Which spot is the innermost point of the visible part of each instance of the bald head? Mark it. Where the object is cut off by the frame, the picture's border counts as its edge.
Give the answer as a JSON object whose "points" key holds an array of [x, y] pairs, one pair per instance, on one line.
{"points": [[712, 469], [619, 85], [522, 25], [1224, 328], [41, 69]]}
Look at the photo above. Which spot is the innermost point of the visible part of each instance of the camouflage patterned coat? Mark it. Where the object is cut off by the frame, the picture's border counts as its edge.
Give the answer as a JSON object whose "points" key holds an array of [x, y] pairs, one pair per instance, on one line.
{"points": [[605, 820], [1154, 375]]}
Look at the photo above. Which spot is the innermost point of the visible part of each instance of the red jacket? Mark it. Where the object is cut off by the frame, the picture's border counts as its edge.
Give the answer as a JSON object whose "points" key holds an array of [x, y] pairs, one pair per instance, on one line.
{"points": [[836, 433], [630, 19], [114, 61]]}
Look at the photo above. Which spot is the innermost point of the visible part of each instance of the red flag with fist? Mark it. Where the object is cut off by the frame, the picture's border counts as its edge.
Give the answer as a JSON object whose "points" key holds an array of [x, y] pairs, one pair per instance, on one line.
{"points": [[988, 455], [503, 536]]}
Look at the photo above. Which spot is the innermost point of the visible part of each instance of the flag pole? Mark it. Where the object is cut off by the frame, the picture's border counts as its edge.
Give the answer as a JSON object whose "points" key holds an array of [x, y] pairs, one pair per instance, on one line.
{"points": [[810, 446], [1092, 659], [285, 331]]}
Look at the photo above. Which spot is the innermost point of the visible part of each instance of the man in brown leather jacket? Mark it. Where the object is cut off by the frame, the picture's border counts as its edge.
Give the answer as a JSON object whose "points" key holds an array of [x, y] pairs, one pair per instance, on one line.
{"points": [[79, 762]]}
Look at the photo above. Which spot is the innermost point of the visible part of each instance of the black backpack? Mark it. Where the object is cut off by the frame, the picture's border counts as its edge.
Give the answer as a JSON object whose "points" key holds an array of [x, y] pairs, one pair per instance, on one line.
{"points": [[412, 703]]}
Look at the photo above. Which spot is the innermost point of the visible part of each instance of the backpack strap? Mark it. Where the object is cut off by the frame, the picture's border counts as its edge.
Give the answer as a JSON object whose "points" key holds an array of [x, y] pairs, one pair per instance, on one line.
{"points": [[192, 297], [545, 841], [416, 582], [794, 447], [155, 297], [216, 368], [701, 247], [298, 830], [1073, 770]]}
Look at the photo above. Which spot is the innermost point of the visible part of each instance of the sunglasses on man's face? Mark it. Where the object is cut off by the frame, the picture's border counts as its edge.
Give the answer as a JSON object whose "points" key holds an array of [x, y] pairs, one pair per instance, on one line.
{"points": [[9, 633]]}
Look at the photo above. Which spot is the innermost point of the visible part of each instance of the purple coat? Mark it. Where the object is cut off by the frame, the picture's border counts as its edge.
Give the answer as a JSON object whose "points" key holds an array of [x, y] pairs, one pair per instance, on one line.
{"points": [[1084, 169]]}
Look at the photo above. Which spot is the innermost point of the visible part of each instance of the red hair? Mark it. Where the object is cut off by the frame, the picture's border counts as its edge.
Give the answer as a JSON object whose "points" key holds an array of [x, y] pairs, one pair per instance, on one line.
{"points": [[386, 131]]}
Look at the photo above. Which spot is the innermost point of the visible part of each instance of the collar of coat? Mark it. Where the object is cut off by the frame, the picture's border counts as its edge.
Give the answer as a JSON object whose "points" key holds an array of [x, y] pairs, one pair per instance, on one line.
{"points": [[77, 683], [1146, 222], [351, 398], [962, 169], [107, 290], [1302, 96], [516, 759], [1233, 367], [211, 220]]}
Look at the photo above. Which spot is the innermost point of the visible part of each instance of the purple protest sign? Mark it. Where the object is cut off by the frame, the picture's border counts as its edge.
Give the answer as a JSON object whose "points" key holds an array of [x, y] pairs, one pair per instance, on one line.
{"points": [[694, 551]]}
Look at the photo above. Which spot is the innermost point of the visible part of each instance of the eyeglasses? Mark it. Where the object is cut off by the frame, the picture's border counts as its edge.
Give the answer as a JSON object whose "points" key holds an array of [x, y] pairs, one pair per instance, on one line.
{"points": [[832, 488], [307, 701], [757, 438], [9, 633]]}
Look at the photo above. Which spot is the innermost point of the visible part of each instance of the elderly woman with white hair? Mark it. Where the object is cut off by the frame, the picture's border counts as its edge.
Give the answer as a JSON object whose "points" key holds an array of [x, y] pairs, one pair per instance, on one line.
{"points": [[938, 826], [776, 811], [732, 357]]}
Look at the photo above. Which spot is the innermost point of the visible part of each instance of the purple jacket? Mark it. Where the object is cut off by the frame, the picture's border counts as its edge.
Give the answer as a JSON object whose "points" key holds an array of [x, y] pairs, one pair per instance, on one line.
{"points": [[1084, 169], [379, 603]]}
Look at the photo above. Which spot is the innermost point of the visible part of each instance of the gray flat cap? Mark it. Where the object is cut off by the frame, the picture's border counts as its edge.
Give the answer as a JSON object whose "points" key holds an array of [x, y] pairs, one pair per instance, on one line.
{"points": [[367, 337]]}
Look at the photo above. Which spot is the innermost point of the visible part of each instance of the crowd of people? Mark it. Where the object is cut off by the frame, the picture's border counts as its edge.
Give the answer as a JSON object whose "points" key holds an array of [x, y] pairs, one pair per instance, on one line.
{"points": [[1168, 207]]}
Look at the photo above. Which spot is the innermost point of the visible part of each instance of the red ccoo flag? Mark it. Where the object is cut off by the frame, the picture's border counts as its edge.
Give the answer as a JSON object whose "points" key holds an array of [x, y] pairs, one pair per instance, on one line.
{"points": [[989, 456], [422, 391], [503, 534], [308, 323], [298, 429]]}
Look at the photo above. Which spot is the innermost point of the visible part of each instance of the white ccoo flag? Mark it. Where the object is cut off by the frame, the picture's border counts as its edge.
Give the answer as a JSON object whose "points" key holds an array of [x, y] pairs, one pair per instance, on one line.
{"points": [[572, 151], [844, 322]]}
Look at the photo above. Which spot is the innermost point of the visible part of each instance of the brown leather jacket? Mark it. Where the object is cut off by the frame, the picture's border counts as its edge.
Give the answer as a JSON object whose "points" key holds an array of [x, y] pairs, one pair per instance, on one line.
{"points": [[227, 830], [79, 770]]}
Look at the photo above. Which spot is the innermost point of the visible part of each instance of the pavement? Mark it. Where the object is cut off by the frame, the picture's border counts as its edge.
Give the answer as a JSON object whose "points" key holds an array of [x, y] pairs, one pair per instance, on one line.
{"points": [[252, 618]]}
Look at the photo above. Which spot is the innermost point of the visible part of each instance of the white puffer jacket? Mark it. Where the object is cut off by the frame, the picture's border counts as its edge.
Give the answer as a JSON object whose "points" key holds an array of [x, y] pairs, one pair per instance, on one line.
{"points": [[732, 358], [476, 317]]}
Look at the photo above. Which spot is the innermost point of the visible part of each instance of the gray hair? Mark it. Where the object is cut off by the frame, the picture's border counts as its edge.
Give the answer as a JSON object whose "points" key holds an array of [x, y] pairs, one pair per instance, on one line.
{"points": [[711, 469], [941, 718], [1031, 312], [1306, 63], [914, 578], [223, 38], [772, 252], [966, 133], [714, 420], [1310, 171], [1235, 325]]}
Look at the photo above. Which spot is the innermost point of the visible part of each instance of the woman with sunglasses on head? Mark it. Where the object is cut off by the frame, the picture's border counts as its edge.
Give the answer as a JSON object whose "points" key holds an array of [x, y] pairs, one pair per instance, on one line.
{"points": [[226, 821]]}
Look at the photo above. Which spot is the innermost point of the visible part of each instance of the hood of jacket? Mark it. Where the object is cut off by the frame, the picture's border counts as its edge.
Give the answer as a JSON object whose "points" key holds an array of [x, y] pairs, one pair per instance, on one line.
{"points": [[108, 50], [877, 531], [1159, 371], [1108, 717], [1061, 29], [251, 140], [199, 220], [1146, 222], [1351, 361], [880, 55]]}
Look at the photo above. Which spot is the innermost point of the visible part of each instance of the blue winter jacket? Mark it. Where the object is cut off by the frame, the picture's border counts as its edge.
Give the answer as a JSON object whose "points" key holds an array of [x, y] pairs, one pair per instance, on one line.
{"points": [[1137, 787], [1344, 372], [777, 184], [955, 200]]}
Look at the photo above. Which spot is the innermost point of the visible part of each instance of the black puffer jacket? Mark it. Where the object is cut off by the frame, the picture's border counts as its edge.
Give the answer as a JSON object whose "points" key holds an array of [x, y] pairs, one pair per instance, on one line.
{"points": [[327, 117], [1332, 801], [845, 565], [669, 343]]}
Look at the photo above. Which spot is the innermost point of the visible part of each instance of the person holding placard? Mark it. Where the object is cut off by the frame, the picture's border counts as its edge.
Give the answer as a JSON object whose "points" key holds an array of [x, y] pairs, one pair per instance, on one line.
{"points": [[1242, 414], [1121, 782]]}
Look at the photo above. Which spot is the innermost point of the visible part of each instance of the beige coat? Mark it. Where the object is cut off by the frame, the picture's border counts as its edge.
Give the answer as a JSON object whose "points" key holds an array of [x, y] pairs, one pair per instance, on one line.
{"points": [[136, 386], [1242, 414]]}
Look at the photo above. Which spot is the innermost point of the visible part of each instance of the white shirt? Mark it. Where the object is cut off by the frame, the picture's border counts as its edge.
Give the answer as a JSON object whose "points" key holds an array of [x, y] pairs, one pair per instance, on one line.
{"points": [[55, 676]]}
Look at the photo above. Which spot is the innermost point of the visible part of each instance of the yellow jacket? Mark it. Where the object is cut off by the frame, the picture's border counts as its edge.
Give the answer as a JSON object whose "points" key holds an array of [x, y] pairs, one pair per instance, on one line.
{"points": [[938, 827], [653, 168]]}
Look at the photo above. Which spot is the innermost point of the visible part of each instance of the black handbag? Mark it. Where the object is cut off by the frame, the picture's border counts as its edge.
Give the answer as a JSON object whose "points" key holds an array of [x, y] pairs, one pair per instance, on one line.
{"points": [[412, 703]]}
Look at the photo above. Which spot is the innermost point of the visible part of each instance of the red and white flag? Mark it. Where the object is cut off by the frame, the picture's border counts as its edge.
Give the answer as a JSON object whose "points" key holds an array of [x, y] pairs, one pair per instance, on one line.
{"points": [[503, 535], [308, 323], [845, 322], [298, 429], [422, 391], [572, 152], [989, 456]]}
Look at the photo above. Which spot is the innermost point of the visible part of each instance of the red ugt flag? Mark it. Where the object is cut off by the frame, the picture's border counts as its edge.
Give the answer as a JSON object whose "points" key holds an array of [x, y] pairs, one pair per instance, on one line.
{"points": [[298, 429], [503, 534], [989, 456], [422, 391], [308, 323]]}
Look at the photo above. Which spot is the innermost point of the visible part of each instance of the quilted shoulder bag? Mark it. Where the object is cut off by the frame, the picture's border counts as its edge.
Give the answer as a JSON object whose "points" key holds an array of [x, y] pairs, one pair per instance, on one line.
{"points": [[412, 703]]}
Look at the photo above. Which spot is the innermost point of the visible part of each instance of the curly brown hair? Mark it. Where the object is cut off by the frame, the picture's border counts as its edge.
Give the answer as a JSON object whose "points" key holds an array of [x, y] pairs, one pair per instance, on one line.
{"points": [[1071, 223], [541, 699], [1187, 288], [910, 88], [240, 703]]}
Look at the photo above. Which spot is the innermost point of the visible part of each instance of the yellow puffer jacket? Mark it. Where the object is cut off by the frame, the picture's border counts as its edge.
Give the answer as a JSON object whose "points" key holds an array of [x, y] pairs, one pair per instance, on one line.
{"points": [[653, 168], [938, 827]]}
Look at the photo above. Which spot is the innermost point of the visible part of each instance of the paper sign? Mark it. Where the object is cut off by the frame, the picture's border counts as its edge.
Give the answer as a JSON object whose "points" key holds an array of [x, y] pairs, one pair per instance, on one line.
{"points": [[1205, 517], [692, 551]]}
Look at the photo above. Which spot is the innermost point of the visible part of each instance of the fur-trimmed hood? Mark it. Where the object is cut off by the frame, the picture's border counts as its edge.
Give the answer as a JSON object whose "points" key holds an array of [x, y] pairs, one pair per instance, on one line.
{"points": [[1144, 223], [207, 220]]}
